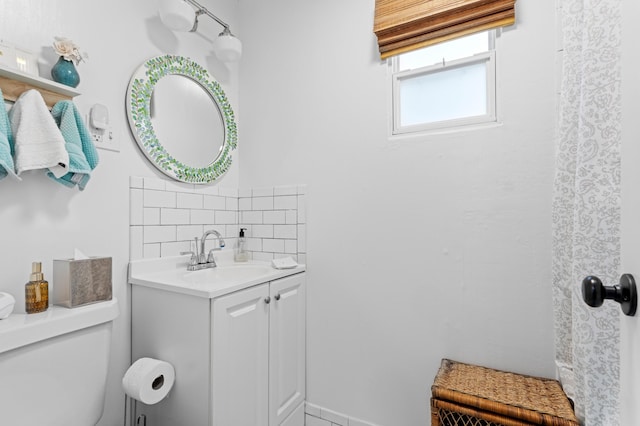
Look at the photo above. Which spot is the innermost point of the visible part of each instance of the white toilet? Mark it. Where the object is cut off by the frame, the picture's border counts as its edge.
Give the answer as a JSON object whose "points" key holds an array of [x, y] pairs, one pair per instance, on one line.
{"points": [[53, 365]]}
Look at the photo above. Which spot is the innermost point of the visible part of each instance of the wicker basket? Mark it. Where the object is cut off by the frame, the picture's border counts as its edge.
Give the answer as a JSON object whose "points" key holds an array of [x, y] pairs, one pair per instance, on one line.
{"points": [[469, 395]]}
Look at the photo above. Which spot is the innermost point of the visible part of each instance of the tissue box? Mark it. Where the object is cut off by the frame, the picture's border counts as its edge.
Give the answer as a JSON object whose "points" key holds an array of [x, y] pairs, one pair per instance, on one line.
{"points": [[80, 282]]}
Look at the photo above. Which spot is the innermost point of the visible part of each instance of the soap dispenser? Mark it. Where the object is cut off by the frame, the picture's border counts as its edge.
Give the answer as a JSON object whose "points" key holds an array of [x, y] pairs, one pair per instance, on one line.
{"points": [[36, 291], [241, 254]]}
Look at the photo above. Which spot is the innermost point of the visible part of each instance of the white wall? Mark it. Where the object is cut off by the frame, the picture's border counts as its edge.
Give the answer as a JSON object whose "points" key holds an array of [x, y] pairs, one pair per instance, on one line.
{"points": [[42, 220], [418, 249]]}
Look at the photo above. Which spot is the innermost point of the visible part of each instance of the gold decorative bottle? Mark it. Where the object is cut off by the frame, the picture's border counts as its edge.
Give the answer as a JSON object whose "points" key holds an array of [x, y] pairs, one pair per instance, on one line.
{"points": [[36, 291]]}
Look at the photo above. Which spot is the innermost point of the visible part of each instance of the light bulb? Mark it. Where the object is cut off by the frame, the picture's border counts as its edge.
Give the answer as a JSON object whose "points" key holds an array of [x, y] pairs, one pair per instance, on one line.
{"points": [[227, 47], [177, 15]]}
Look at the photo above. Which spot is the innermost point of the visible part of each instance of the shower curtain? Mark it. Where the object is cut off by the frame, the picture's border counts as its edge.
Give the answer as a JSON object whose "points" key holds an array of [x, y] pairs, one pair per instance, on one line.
{"points": [[586, 206]]}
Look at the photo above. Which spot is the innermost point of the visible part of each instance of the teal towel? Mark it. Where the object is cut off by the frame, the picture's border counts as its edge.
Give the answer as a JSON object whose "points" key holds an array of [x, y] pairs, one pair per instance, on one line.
{"points": [[83, 156], [6, 143]]}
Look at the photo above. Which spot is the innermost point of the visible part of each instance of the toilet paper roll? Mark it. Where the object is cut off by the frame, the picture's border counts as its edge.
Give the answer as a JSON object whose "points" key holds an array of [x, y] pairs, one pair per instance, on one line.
{"points": [[149, 380]]}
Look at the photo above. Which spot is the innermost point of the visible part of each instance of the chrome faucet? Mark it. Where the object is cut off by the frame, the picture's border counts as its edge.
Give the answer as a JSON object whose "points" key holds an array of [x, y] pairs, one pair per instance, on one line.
{"points": [[209, 259], [199, 260]]}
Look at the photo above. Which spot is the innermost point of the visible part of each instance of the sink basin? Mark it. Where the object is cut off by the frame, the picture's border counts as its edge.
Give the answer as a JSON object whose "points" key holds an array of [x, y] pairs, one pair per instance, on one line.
{"points": [[227, 273], [170, 273]]}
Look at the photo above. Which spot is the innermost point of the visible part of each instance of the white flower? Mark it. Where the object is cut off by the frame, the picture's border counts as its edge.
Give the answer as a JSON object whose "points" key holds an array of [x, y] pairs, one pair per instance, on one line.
{"points": [[67, 49]]}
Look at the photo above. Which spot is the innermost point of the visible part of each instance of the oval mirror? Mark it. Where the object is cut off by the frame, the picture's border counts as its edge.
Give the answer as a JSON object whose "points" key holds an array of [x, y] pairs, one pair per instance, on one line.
{"points": [[181, 119]]}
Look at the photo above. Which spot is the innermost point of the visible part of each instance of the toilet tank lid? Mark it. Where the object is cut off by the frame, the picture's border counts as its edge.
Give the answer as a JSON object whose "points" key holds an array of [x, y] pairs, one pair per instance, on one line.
{"points": [[23, 329]]}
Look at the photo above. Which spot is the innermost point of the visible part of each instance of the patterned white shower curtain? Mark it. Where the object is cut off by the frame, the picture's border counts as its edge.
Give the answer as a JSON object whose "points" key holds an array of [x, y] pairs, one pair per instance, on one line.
{"points": [[586, 206]]}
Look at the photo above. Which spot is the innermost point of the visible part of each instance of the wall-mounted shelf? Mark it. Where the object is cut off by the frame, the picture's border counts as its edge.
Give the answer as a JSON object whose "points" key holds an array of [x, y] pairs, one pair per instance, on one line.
{"points": [[13, 83]]}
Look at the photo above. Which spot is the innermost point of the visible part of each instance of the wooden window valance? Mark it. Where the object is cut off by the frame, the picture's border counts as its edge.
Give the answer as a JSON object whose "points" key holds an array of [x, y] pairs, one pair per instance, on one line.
{"points": [[405, 25]]}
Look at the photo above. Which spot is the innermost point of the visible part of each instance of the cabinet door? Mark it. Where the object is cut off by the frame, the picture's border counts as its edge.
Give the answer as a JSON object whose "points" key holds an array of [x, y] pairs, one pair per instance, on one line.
{"points": [[287, 346], [239, 364]]}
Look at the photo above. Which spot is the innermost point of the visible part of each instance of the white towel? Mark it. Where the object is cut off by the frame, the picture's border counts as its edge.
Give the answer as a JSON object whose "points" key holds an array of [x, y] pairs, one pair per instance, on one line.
{"points": [[38, 141]]}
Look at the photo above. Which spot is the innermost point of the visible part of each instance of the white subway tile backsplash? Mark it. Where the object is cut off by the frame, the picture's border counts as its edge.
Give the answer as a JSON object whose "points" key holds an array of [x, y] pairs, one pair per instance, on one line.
{"points": [[179, 186], [151, 216], [285, 202], [284, 231], [251, 217], [274, 217], [174, 216], [262, 231], [173, 248], [151, 250], [208, 190], [302, 208], [286, 255], [233, 230], [244, 204], [135, 206], [232, 203], [222, 229], [272, 245], [136, 182], [226, 217], [285, 190], [229, 192], [202, 217], [290, 246], [154, 183], [262, 203], [254, 244], [292, 217], [302, 238], [214, 202], [135, 242], [262, 192], [159, 234], [188, 232], [262, 256], [154, 198], [188, 201], [165, 216]]}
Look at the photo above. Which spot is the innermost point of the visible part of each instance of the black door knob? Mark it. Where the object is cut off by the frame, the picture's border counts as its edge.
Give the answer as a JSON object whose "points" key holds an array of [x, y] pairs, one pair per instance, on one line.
{"points": [[595, 293]]}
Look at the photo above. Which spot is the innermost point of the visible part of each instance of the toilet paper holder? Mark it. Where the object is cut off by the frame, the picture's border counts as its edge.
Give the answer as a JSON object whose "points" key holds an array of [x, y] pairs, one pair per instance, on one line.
{"points": [[149, 380]]}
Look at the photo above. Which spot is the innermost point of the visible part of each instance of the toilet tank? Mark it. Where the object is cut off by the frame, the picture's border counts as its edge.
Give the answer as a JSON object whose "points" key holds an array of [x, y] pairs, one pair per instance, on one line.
{"points": [[53, 365]]}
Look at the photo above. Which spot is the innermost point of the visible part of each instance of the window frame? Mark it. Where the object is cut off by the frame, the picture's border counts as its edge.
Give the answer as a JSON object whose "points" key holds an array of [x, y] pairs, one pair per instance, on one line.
{"points": [[488, 57]]}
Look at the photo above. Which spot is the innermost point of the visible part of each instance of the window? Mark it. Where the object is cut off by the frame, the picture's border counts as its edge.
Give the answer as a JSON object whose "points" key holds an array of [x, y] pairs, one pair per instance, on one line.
{"points": [[446, 85]]}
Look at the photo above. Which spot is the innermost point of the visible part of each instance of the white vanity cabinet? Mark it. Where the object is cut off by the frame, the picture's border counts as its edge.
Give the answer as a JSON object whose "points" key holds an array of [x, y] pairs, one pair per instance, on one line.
{"points": [[258, 347], [239, 357]]}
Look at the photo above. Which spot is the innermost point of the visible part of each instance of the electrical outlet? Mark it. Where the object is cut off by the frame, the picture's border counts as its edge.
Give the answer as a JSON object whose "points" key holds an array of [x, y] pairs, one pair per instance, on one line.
{"points": [[103, 138]]}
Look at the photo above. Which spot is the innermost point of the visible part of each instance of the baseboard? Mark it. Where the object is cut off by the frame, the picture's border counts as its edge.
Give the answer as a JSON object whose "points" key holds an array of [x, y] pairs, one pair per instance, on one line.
{"points": [[320, 416]]}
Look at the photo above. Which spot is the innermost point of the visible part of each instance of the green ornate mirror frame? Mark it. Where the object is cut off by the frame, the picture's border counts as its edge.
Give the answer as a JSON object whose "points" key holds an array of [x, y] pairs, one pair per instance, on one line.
{"points": [[142, 106]]}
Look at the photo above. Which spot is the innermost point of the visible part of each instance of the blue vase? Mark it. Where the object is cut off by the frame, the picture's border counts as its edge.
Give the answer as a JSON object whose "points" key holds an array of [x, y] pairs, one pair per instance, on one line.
{"points": [[65, 72]]}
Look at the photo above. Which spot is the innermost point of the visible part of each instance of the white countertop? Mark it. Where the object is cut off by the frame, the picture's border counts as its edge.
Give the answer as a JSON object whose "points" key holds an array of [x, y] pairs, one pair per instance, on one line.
{"points": [[170, 274]]}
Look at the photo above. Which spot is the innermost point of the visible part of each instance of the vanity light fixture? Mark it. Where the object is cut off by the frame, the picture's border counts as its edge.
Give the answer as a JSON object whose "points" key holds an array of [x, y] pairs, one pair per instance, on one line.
{"points": [[179, 15]]}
